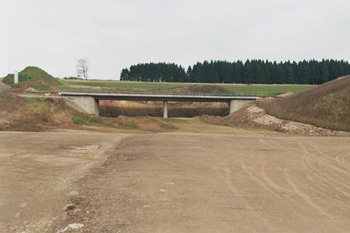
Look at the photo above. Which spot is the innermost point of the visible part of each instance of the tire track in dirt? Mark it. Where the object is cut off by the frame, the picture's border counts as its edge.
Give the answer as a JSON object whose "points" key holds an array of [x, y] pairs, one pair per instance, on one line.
{"points": [[235, 191], [311, 170], [228, 166], [327, 182], [202, 183], [326, 178], [306, 197]]}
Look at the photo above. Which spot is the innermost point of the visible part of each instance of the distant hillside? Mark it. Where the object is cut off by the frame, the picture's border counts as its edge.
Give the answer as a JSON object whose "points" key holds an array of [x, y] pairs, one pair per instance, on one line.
{"points": [[32, 77], [326, 106]]}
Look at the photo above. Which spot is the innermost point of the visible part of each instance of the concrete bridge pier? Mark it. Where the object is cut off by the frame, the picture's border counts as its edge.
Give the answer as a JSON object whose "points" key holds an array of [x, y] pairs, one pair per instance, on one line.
{"points": [[165, 109], [236, 104], [88, 104]]}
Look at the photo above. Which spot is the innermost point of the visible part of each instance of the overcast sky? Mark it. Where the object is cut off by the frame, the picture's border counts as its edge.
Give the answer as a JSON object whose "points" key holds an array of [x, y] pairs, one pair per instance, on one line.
{"points": [[114, 34]]}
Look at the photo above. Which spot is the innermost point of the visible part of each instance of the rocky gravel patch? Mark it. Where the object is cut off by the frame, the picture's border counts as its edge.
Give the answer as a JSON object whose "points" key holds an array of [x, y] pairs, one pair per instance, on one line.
{"points": [[259, 116]]}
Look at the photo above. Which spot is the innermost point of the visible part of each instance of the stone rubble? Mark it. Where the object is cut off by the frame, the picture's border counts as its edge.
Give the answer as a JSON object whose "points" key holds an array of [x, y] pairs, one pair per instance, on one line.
{"points": [[259, 116]]}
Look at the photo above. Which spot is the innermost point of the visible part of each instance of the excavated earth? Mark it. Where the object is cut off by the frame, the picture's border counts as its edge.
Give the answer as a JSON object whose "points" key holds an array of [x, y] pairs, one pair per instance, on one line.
{"points": [[251, 115], [199, 177], [3, 87], [202, 178]]}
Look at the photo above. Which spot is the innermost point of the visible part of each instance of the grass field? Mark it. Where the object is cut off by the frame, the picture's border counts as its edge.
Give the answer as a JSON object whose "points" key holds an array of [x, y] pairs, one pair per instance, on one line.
{"points": [[265, 90], [259, 90], [122, 85]]}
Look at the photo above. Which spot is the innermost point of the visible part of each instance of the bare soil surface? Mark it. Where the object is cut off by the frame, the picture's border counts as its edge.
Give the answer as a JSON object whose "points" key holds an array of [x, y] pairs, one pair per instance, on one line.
{"points": [[251, 115], [230, 180], [3, 86], [38, 171]]}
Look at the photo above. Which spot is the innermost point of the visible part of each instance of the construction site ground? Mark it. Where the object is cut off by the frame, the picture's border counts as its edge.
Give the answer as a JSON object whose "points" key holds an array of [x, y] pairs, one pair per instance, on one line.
{"points": [[202, 178]]}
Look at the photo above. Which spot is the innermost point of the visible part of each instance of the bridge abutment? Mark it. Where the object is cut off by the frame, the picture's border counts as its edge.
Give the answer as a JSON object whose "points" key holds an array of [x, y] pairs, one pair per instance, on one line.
{"points": [[88, 104], [236, 104]]}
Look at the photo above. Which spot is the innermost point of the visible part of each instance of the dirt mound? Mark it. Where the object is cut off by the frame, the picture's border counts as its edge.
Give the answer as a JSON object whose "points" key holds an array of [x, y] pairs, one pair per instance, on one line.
{"points": [[144, 123], [252, 116], [326, 106], [288, 93], [34, 114], [32, 77], [3, 87]]}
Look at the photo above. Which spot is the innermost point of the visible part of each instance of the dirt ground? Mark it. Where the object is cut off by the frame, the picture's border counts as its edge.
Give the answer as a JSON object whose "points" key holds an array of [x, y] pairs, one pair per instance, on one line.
{"points": [[3, 86], [203, 179]]}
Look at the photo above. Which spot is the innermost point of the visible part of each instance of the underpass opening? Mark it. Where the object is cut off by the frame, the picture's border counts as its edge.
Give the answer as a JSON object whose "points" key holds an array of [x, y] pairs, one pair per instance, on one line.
{"points": [[115, 108]]}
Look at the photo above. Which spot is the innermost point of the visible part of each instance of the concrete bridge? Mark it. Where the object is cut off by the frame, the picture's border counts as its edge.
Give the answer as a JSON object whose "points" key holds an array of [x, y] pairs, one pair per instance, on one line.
{"points": [[88, 99]]}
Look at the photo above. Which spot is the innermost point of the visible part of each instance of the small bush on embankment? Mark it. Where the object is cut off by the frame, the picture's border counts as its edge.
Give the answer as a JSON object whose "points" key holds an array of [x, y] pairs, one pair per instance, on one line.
{"points": [[326, 106]]}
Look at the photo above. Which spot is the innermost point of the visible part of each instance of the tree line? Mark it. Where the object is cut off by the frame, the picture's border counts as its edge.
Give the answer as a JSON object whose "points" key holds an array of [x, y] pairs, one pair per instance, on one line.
{"points": [[250, 71]]}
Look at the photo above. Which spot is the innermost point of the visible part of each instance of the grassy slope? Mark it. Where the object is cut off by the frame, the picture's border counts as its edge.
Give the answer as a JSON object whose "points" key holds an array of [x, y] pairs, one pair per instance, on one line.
{"points": [[326, 106], [35, 78], [259, 90], [40, 75], [39, 114]]}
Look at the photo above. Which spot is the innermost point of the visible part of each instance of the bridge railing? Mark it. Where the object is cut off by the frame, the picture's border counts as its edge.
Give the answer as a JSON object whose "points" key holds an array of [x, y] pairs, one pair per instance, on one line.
{"points": [[152, 92]]}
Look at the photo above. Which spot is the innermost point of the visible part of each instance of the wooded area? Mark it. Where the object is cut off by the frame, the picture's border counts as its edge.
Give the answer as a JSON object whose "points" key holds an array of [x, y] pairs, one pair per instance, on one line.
{"points": [[251, 71]]}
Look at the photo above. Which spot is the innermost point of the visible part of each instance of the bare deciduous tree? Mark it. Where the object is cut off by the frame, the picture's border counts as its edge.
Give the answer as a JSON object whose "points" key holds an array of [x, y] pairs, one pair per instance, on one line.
{"points": [[83, 67]]}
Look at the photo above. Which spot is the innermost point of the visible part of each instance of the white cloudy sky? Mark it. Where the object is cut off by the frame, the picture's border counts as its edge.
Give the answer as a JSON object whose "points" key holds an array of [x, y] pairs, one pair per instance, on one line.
{"points": [[114, 34]]}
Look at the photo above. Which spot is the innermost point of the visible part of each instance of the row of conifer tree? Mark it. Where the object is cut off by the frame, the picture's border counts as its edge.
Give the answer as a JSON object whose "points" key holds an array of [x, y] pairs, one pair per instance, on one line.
{"points": [[251, 71]]}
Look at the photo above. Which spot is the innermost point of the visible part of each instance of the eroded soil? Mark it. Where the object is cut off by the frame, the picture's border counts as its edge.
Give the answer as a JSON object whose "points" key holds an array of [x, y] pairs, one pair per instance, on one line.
{"points": [[209, 181], [38, 171]]}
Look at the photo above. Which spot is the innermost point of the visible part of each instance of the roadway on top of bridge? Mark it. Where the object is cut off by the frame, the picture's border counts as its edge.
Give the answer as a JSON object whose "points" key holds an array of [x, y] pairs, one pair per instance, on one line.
{"points": [[156, 95]]}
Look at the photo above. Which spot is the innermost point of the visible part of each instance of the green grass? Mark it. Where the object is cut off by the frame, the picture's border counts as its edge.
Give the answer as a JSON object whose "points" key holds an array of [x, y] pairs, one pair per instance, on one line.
{"points": [[86, 119], [265, 90], [129, 125], [216, 124], [259, 90], [79, 121], [33, 100], [174, 120], [36, 105], [167, 126], [122, 85]]}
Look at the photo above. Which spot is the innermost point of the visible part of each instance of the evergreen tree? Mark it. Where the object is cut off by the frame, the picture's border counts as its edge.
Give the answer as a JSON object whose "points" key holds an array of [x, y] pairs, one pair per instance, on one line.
{"points": [[252, 71], [124, 76]]}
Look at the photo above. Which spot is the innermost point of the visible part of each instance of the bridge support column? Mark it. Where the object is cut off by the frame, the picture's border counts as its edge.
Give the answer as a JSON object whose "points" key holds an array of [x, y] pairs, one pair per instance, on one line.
{"points": [[165, 109], [88, 104], [237, 104]]}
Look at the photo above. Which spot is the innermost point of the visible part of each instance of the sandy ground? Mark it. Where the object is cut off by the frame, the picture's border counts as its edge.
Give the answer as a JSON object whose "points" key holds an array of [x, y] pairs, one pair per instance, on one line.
{"points": [[174, 182]]}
